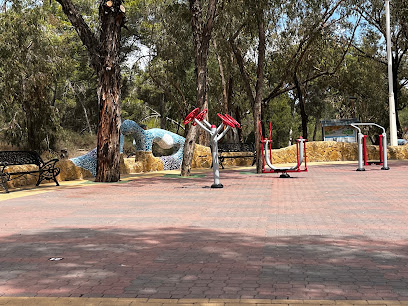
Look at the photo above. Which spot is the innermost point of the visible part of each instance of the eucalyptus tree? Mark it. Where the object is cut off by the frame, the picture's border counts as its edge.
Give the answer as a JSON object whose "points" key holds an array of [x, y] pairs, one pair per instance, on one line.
{"points": [[272, 40], [30, 62], [300, 35], [402, 14], [322, 60], [76, 99], [245, 24], [202, 26], [103, 47], [166, 32], [361, 90], [374, 46]]}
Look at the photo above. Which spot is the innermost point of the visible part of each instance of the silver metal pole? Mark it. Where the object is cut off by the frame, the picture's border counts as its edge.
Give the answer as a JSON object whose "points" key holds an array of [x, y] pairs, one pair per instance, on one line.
{"points": [[216, 166], [385, 160], [301, 150], [391, 100], [360, 152]]}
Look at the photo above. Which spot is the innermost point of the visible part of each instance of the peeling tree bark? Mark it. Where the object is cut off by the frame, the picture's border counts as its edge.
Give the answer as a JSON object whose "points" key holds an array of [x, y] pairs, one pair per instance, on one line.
{"points": [[108, 149], [103, 50]]}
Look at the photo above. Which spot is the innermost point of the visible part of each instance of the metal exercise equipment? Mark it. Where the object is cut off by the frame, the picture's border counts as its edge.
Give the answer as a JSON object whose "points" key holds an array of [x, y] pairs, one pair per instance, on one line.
{"points": [[362, 147], [266, 158], [216, 134]]}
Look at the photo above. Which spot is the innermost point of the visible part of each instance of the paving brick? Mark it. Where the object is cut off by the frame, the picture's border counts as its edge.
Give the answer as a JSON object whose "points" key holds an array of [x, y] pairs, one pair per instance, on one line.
{"points": [[331, 233]]}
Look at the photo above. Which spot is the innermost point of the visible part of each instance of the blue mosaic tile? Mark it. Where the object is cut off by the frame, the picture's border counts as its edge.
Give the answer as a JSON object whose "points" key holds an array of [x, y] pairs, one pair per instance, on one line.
{"points": [[87, 161], [143, 140]]}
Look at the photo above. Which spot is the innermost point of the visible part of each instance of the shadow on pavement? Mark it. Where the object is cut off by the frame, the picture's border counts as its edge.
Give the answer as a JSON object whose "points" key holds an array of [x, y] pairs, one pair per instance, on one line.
{"points": [[198, 263]]}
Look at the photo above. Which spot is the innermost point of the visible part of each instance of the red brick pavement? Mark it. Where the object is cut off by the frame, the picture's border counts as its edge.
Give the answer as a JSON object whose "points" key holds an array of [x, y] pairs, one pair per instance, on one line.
{"points": [[331, 233]]}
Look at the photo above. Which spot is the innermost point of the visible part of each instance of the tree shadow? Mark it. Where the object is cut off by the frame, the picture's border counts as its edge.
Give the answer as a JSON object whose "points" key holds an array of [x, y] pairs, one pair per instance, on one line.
{"points": [[200, 179], [353, 165], [191, 262]]}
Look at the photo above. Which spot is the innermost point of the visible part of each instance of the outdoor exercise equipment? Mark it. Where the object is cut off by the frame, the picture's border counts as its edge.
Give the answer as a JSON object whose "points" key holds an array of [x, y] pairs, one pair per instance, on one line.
{"points": [[267, 158], [362, 147], [216, 133]]}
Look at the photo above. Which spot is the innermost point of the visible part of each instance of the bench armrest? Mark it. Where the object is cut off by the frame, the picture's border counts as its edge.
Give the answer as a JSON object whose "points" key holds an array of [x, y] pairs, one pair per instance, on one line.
{"points": [[50, 164], [3, 166], [48, 171]]}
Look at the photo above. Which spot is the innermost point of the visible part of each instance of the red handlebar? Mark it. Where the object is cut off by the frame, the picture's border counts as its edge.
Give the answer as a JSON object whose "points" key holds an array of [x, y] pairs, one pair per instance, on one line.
{"points": [[226, 121], [235, 122], [200, 116], [191, 116]]}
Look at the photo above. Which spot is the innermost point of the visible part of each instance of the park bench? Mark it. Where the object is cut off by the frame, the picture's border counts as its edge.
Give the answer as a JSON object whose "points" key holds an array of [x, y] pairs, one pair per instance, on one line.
{"points": [[46, 170], [229, 148]]}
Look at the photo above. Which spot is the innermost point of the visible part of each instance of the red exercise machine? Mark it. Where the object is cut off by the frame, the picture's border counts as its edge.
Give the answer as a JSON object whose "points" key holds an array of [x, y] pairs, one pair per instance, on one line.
{"points": [[267, 157]]}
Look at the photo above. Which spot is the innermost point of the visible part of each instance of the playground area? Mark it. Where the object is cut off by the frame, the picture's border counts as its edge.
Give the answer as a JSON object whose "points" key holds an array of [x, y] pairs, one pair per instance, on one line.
{"points": [[323, 236]]}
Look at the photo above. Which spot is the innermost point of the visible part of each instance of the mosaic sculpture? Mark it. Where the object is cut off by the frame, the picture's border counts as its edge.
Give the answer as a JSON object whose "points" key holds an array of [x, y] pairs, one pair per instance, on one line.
{"points": [[167, 144], [165, 141], [87, 161]]}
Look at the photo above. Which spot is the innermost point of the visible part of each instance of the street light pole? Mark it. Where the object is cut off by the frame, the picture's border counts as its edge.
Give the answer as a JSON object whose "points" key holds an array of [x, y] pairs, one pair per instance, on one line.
{"points": [[391, 100]]}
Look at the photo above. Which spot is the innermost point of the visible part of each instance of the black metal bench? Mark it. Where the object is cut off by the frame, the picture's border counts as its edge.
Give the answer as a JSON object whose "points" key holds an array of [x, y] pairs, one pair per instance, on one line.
{"points": [[46, 170], [236, 147]]}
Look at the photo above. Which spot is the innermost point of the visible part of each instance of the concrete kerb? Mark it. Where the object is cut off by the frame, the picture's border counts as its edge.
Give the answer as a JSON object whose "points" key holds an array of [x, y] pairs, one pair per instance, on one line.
{"points": [[9, 301]]}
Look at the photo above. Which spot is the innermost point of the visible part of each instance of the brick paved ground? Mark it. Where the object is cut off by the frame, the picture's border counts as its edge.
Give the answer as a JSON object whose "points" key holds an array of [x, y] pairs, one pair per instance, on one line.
{"points": [[329, 234]]}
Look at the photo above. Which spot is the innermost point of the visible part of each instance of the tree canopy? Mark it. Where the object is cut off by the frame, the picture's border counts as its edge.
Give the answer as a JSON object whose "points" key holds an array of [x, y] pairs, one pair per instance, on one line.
{"points": [[290, 62]]}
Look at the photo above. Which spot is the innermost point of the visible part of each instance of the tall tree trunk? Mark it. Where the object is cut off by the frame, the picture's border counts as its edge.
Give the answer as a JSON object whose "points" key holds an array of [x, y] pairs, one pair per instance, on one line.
{"points": [[104, 57], [227, 90], [32, 143], [255, 100], [259, 85], [108, 149], [303, 115], [397, 91], [240, 138], [193, 131], [223, 82], [315, 129], [204, 137], [201, 35], [230, 92]]}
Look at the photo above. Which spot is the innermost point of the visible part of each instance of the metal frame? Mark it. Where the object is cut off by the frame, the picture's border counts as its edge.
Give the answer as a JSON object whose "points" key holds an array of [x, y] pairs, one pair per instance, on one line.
{"points": [[267, 158], [46, 170], [362, 147], [215, 136]]}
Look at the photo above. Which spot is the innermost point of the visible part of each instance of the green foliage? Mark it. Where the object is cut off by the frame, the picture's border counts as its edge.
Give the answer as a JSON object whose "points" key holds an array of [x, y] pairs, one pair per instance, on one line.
{"points": [[167, 83], [29, 65], [279, 113], [48, 89], [360, 94], [47, 84]]}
